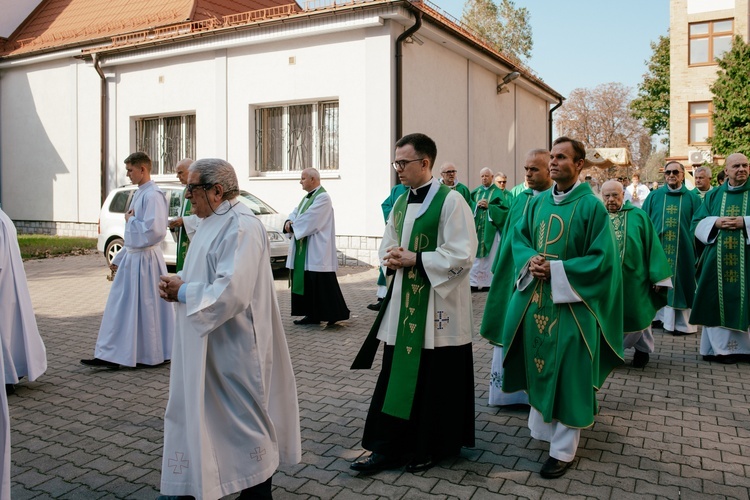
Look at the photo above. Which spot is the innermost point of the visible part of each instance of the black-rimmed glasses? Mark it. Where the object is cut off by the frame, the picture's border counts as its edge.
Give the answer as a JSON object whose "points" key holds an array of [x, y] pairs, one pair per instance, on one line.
{"points": [[400, 164], [189, 188]]}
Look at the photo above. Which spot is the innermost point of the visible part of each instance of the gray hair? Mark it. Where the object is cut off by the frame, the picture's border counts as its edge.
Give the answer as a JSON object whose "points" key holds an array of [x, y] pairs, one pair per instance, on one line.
{"points": [[217, 171], [705, 170], [313, 173], [538, 151]]}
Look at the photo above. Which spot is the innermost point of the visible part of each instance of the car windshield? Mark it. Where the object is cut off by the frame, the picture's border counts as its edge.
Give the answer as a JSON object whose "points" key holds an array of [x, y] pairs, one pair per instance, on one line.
{"points": [[255, 204]]}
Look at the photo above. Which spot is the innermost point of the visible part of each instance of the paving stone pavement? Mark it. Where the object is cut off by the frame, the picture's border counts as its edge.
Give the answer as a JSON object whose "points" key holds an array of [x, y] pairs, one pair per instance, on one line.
{"points": [[680, 428]]}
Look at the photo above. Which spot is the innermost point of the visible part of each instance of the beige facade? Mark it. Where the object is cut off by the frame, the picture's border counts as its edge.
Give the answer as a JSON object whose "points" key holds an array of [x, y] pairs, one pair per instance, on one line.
{"points": [[690, 81]]}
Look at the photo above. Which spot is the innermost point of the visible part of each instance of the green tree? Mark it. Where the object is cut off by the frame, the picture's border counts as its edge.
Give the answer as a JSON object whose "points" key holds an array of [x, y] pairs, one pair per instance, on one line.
{"points": [[504, 27], [732, 101], [652, 104]]}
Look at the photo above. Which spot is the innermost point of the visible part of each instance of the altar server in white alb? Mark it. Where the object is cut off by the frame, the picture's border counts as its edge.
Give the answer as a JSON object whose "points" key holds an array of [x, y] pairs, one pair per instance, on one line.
{"points": [[23, 348], [232, 416], [137, 327]]}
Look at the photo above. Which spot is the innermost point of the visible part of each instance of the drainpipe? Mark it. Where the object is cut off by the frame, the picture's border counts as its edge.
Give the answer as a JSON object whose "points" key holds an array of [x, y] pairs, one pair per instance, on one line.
{"points": [[102, 129], [399, 72], [550, 121]]}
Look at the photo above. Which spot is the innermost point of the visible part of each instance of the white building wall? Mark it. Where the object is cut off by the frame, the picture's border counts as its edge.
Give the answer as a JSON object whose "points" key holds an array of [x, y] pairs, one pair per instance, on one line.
{"points": [[49, 124]]}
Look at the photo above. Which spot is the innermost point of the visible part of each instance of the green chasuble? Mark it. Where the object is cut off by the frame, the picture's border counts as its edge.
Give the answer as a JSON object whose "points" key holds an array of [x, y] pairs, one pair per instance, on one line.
{"points": [[561, 354], [672, 212], [490, 221], [644, 264], [503, 274], [460, 189], [386, 207], [182, 239], [723, 270]]}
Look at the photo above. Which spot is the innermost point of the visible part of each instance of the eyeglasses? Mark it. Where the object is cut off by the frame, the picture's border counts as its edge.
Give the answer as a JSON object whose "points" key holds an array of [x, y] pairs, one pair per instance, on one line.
{"points": [[502, 182], [622, 179], [671, 172], [400, 164], [449, 171], [189, 188]]}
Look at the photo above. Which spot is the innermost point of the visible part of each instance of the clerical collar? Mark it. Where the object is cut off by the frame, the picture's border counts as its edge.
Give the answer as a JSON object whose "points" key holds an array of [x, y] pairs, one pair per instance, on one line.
{"points": [[419, 194], [559, 197], [733, 188], [312, 192], [566, 191], [673, 190]]}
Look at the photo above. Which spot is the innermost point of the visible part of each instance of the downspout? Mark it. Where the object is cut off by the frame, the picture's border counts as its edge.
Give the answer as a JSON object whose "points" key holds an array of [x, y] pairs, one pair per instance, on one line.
{"points": [[102, 129], [550, 122], [399, 72]]}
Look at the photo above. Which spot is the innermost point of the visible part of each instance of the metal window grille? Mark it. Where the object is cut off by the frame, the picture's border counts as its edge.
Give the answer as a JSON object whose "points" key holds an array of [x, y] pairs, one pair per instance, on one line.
{"points": [[167, 140]]}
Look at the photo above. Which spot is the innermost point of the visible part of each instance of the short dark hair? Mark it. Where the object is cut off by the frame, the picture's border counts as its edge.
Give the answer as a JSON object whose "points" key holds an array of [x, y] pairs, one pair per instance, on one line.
{"points": [[423, 146], [140, 159], [579, 150], [720, 176]]}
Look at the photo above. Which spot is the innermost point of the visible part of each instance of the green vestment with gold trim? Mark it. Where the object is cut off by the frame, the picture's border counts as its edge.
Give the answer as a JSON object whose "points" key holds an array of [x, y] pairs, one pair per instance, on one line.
{"points": [[182, 238], [672, 213], [503, 274], [722, 294], [490, 220], [644, 264], [562, 353]]}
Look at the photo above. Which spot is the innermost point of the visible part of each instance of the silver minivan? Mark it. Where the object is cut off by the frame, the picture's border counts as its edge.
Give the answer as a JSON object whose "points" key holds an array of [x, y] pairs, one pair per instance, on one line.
{"points": [[112, 222]]}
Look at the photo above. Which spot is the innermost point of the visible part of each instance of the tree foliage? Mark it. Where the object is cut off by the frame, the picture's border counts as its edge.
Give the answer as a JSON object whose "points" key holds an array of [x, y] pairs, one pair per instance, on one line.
{"points": [[601, 118], [505, 27], [732, 101], [652, 104]]}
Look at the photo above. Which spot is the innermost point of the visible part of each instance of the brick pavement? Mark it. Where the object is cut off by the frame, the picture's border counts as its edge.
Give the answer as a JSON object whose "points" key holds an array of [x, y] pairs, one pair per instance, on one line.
{"points": [[680, 428]]}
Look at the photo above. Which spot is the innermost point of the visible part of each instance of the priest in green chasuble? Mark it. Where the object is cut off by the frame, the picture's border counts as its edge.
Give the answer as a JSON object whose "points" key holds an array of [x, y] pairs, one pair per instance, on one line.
{"points": [[448, 173], [722, 298], [503, 276], [422, 408], [646, 274], [185, 224], [490, 206], [563, 331], [671, 209]]}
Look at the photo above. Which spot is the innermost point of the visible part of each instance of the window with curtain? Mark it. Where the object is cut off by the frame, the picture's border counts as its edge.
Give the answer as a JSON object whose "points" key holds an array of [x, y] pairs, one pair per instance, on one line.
{"points": [[294, 137], [709, 40], [700, 122], [166, 139]]}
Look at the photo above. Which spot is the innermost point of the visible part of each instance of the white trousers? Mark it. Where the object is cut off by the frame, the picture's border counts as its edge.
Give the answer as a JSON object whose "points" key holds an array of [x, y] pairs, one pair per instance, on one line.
{"points": [[676, 319], [716, 340], [481, 271], [497, 396], [642, 341], [563, 440]]}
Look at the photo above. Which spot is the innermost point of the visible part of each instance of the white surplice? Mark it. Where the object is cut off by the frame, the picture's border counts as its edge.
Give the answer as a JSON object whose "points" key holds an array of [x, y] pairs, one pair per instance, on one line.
{"points": [[4, 443], [318, 226], [137, 326], [447, 269], [23, 349], [232, 415]]}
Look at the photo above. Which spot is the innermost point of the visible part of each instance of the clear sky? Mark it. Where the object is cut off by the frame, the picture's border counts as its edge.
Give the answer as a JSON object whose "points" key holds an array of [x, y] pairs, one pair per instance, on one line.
{"points": [[582, 43]]}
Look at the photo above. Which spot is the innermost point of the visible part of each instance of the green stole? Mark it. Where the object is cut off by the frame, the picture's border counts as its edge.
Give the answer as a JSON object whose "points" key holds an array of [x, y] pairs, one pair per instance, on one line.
{"points": [[481, 220], [182, 239], [300, 250], [412, 320]]}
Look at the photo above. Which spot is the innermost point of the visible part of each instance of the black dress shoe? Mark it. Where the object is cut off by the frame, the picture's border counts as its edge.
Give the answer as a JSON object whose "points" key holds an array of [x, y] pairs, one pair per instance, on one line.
{"points": [[657, 324], [376, 462], [727, 359], [307, 320], [143, 365], [421, 464], [640, 359], [375, 306], [99, 363], [10, 389], [553, 468]]}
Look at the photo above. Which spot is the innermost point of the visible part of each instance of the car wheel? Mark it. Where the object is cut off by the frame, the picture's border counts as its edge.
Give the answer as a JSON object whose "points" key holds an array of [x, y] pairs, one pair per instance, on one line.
{"points": [[113, 248]]}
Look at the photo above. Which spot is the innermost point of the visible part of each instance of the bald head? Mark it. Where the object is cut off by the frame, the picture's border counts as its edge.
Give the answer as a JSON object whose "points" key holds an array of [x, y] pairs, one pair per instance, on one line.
{"points": [[181, 169], [736, 168], [613, 195], [448, 172], [537, 170]]}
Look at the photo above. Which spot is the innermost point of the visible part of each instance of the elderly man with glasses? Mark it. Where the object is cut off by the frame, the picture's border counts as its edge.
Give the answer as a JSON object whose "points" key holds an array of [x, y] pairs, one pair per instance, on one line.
{"points": [[448, 174], [671, 209], [422, 408]]}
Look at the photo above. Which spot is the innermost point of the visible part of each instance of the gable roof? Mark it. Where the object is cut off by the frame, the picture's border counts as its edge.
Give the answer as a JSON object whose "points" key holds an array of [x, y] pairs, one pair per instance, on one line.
{"points": [[55, 24]]}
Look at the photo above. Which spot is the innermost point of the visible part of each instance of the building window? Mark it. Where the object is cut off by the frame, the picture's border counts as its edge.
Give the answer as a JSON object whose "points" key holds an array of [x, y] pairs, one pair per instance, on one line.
{"points": [[701, 125], [166, 139], [297, 136], [709, 40]]}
